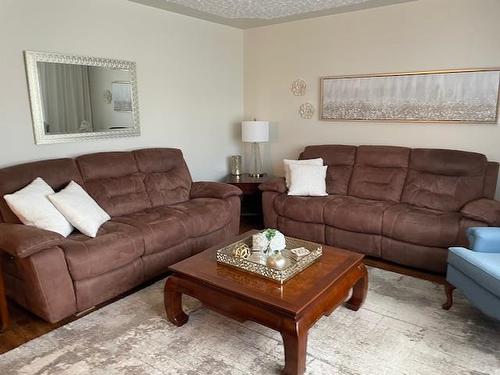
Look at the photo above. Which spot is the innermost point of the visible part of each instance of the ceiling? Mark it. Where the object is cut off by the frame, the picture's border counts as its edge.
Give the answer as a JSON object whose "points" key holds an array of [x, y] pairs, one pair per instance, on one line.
{"points": [[254, 13]]}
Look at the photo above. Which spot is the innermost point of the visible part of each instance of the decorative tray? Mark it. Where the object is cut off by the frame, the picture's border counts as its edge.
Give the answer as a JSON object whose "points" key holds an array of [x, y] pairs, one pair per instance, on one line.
{"points": [[293, 267]]}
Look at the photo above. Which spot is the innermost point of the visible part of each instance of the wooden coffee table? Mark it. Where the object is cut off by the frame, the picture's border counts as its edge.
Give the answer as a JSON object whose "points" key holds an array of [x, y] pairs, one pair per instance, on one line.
{"points": [[291, 309]]}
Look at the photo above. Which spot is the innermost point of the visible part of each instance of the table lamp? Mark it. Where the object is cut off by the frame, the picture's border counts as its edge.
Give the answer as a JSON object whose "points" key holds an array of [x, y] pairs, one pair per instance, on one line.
{"points": [[255, 132]]}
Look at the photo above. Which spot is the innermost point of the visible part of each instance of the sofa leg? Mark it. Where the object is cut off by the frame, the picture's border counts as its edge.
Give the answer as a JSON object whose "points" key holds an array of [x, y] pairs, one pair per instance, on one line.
{"points": [[448, 289]]}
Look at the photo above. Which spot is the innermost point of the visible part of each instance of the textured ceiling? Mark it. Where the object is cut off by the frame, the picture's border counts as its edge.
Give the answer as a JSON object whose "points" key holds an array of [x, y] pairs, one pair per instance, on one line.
{"points": [[254, 13], [263, 9]]}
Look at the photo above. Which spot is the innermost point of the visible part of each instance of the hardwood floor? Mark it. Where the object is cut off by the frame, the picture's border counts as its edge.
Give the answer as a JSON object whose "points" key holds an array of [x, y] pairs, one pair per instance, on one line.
{"points": [[25, 326]]}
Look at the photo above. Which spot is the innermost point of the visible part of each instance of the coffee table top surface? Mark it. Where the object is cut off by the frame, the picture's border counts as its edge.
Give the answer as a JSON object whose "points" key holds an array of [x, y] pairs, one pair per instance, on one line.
{"points": [[291, 297]]}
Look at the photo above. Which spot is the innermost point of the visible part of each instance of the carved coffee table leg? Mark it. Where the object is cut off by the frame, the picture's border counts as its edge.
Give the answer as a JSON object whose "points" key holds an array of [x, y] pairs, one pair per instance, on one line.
{"points": [[359, 290], [4, 310], [448, 289], [173, 302], [295, 343]]}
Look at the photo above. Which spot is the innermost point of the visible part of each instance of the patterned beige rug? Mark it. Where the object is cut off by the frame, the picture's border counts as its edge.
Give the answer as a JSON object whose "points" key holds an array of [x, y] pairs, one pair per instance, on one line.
{"points": [[400, 330]]}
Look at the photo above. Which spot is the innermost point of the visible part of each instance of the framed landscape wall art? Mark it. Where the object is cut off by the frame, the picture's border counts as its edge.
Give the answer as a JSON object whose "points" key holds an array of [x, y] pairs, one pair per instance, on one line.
{"points": [[122, 96], [453, 96]]}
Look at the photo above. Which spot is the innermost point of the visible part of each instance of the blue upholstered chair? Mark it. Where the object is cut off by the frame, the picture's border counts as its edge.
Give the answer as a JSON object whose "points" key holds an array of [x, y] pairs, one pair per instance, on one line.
{"points": [[476, 271]]}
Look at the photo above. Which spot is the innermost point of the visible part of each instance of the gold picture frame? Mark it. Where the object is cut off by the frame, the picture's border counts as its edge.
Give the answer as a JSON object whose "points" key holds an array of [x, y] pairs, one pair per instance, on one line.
{"points": [[429, 88]]}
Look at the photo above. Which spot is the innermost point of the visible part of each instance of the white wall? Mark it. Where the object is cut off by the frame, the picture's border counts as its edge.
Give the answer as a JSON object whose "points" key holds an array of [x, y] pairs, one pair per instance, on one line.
{"points": [[189, 76], [421, 35]]}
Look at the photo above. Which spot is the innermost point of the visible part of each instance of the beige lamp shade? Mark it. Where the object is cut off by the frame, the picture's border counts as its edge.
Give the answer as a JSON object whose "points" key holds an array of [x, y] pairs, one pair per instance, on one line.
{"points": [[255, 131]]}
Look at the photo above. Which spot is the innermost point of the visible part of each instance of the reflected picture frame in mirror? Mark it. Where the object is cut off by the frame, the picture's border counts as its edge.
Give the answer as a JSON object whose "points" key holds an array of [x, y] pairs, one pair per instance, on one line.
{"points": [[32, 58]]}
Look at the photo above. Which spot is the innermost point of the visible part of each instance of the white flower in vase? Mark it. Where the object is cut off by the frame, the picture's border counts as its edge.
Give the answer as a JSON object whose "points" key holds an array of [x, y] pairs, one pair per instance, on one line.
{"points": [[276, 240]]}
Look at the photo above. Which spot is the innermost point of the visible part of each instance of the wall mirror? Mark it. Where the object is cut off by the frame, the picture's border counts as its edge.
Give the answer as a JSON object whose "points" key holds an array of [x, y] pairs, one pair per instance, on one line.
{"points": [[78, 98]]}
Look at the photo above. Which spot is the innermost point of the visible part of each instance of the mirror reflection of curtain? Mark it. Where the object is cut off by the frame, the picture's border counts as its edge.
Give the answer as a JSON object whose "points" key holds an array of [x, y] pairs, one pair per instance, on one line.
{"points": [[66, 98]]}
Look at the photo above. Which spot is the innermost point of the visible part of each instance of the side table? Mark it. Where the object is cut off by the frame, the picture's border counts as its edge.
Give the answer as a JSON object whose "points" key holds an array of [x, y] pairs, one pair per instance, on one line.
{"points": [[251, 201]]}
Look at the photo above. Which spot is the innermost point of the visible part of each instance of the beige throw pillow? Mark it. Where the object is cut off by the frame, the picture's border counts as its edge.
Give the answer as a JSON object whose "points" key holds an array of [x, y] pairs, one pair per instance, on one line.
{"points": [[80, 209], [308, 180], [287, 163], [33, 207]]}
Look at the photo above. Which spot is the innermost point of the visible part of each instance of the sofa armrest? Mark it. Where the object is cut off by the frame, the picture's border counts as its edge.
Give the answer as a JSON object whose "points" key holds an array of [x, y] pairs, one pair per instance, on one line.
{"points": [[275, 184], [209, 189], [484, 239], [23, 240], [485, 210]]}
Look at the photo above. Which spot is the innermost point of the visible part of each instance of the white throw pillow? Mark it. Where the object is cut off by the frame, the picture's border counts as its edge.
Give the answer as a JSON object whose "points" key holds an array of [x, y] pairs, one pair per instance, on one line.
{"points": [[308, 180], [80, 209], [32, 206], [287, 163]]}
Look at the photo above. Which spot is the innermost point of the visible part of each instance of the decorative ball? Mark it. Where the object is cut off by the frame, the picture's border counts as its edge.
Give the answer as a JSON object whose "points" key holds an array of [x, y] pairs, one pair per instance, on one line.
{"points": [[241, 251]]}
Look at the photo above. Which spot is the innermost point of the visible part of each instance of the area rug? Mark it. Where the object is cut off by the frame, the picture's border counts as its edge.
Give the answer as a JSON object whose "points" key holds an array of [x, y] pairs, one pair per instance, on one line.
{"points": [[401, 329]]}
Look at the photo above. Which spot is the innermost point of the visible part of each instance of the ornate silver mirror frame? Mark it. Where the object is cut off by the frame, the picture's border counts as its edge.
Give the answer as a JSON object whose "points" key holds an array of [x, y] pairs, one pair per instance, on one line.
{"points": [[33, 58]]}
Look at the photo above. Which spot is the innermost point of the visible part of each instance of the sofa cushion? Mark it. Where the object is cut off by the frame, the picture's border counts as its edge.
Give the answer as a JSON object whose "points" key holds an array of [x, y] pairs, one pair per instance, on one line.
{"points": [[114, 181], [166, 175], [115, 246], [307, 231], [356, 214], [483, 268], [379, 172], [161, 227], [366, 243], [203, 215], [429, 258], [421, 226], [340, 161], [444, 179], [305, 209], [57, 173]]}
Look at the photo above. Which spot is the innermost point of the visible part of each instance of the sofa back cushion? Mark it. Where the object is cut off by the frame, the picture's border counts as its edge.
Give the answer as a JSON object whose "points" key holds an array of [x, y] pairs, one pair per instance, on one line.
{"points": [[114, 181], [490, 180], [166, 175], [379, 172], [444, 179], [57, 173], [340, 162]]}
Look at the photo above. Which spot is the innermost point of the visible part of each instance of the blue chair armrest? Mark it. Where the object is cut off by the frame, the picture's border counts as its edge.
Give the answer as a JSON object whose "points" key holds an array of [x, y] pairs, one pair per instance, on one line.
{"points": [[484, 239]]}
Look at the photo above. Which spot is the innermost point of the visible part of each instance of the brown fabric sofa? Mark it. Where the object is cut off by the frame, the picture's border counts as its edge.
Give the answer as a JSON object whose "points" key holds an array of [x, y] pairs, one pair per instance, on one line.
{"points": [[159, 216], [403, 205]]}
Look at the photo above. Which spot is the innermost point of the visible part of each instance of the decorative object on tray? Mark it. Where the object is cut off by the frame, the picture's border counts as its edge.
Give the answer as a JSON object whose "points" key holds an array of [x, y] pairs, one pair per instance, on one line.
{"points": [[299, 252], [276, 240], [306, 111], [271, 256], [241, 251], [468, 96], [236, 165], [276, 260], [299, 87], [276, 244]]}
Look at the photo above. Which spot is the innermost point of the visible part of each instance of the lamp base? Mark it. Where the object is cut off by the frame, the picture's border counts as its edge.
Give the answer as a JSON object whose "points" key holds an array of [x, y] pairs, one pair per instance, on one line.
{"points": [[256, 175]]}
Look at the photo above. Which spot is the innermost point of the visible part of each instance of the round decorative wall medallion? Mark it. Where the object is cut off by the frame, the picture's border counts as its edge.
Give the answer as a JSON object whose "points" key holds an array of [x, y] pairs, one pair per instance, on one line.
{"points": [[306, 111], [299, 87]]}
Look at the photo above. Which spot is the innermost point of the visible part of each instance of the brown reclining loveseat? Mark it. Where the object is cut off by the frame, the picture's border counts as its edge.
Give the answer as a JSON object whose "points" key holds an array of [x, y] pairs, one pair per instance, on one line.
{"points": [[159, 216], [403, 205]]}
